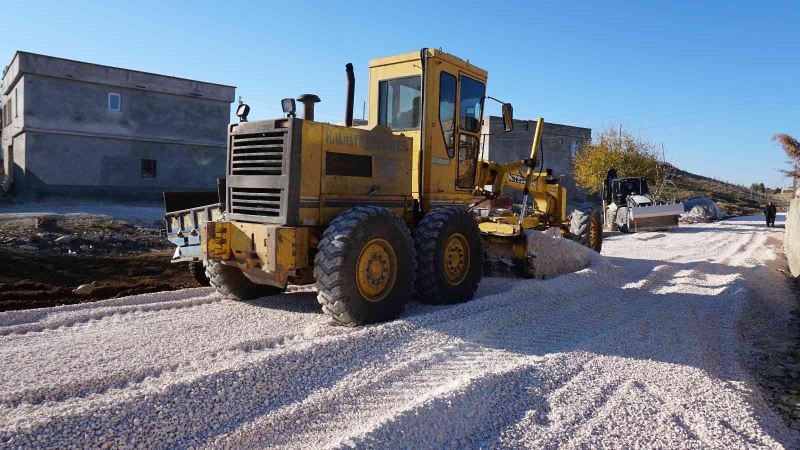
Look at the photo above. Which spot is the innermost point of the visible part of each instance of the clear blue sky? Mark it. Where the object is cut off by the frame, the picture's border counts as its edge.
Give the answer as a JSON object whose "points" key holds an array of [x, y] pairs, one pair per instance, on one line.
{"points": [[712, 81]]}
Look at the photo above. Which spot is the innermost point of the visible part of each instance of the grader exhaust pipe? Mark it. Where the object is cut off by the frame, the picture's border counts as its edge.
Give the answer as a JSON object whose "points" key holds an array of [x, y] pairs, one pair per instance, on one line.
{"points": [[308, 101], [351, 90]]}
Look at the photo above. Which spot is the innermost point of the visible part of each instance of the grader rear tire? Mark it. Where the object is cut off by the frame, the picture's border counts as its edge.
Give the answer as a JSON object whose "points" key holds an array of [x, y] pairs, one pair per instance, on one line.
{"points": [[198, 273], [231, 282], [364, 266], [587, 227], [449, 256]]}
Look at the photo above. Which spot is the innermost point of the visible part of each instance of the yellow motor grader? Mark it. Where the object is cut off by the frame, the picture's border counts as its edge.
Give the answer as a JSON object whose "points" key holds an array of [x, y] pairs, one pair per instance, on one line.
{"points": [[381, 213]]}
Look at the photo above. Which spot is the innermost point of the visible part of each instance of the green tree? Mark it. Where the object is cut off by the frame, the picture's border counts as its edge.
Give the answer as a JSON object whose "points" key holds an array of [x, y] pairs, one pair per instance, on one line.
{"points": [[619, 149]]}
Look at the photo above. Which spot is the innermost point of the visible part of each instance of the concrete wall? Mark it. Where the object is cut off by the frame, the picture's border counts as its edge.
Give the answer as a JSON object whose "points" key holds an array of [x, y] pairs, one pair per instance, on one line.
{"points": [[91, 167], [558, 142], [68, 105], [792, 237], [67, 142]]}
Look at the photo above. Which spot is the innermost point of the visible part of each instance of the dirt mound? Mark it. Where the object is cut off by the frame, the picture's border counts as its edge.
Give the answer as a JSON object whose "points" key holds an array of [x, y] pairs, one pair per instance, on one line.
{"points": [[44, 258]]}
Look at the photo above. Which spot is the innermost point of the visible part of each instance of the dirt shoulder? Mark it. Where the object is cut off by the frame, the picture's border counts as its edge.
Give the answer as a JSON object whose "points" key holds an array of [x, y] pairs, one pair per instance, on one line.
{"points": [[43, 259]]}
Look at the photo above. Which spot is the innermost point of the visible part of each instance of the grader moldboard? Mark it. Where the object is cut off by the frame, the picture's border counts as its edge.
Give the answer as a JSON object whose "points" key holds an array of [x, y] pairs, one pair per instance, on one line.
{"points": [[379, 213]]}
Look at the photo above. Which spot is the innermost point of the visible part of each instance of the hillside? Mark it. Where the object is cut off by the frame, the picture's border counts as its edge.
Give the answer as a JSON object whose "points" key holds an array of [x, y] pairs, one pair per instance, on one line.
{"points": [[734, 200]]}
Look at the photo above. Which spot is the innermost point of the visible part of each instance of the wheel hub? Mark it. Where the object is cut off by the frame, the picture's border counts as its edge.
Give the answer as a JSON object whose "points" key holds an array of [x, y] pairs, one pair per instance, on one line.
{"points": [[376, 270], [456, 259], [594, 232]]}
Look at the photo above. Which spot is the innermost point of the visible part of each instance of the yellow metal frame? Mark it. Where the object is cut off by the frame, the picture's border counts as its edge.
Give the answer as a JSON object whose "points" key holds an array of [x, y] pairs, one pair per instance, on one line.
{"points": [[273, 253], [270, 248]]}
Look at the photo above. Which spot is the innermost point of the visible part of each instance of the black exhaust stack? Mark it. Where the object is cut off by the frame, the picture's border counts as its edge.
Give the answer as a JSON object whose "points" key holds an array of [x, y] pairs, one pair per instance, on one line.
{"points": [[351, 91]]}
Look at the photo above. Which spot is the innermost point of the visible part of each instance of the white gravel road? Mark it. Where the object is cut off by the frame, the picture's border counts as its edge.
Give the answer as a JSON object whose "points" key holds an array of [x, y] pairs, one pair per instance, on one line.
{"points": [[648, 347]]}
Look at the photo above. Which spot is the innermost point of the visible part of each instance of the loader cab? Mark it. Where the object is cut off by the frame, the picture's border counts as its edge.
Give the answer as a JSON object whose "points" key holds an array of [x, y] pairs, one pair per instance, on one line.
{"points": [[438, 101], [621, 188]]}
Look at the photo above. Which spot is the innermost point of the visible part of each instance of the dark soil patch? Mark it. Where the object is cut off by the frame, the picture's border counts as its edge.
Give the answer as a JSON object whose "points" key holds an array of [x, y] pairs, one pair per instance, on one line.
{"points": [[31, 279]]}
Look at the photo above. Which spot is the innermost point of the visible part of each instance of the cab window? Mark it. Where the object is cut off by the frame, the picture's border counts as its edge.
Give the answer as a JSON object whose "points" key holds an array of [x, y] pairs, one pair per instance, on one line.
{"points": [[447, 111], [472, 93], [399, 103], [467, 159]]}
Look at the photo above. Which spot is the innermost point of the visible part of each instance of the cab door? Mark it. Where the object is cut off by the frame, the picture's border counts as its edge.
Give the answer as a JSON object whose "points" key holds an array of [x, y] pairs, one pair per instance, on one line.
{"points": [[453, 109], [470, 108]]}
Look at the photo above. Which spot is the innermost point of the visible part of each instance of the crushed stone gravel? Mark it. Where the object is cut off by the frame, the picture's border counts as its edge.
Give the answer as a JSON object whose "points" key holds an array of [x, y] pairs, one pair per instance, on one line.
{"points": [[644, 348]]}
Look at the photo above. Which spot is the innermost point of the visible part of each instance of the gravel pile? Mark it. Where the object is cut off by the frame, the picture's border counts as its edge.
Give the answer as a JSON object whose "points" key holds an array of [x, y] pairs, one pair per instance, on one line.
{"points": [[644, 348], [551, 255], [700, 210]]}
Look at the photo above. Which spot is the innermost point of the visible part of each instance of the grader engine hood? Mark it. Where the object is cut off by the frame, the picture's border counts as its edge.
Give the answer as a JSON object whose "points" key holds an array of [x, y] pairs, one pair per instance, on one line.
{"points": [[297, 172], [263, 176]]}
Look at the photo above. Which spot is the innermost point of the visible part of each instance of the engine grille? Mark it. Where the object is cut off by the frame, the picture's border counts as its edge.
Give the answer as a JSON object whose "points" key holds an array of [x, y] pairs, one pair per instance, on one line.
{"points": [[263, 179], [264, 202], [258, 153]]}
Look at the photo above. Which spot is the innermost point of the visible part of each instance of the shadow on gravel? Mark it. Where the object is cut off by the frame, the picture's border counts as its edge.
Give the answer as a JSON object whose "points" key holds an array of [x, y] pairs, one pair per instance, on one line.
{"points": [[725, 229], [301, 302]]}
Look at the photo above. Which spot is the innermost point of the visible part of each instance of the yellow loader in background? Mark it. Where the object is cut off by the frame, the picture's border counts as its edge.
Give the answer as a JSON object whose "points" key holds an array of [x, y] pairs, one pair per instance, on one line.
{"points": [[379, 213]]}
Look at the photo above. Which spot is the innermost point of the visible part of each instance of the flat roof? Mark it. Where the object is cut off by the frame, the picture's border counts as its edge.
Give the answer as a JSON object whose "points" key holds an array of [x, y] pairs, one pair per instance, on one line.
{"points": [[432, 52], [53, 66]]}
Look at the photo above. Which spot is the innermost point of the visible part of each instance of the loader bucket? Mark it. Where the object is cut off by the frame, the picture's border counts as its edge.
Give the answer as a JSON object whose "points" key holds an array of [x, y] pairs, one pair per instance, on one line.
{"points": [[659, 217]]}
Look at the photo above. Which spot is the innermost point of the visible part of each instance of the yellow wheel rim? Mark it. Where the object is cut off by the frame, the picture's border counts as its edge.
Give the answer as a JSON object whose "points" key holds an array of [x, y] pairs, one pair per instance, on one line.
{"points": [[456, 259], [594, 232], [376, 270]]}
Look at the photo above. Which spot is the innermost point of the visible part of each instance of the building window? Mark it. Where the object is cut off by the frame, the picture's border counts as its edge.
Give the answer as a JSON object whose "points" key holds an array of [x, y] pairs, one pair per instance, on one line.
{"points": [[114, 101], [148, 168], [8, 111], [574, 146], [16, 103]]}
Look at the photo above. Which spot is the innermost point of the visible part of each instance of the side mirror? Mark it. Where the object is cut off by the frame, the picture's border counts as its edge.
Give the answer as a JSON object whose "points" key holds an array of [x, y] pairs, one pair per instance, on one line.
{"points": [[508, 117], [242, 111], [289, 107]]}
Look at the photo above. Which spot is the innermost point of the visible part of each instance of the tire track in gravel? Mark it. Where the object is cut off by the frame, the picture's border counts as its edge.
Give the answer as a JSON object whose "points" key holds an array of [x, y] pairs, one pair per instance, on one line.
{"points": [[362, 401], [135, 380], [587, 359], [9, 318], [85, 317]]}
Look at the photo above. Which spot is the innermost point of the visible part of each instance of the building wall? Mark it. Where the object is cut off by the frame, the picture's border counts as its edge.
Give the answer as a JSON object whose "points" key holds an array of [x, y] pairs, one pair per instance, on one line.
{"points": [[112, 168], [67, 142], [69, 105], [559, 142], [791, 243]]}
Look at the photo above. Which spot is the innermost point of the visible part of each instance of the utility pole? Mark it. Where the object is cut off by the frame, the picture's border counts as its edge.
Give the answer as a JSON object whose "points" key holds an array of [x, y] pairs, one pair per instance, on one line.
{"points": [[363, 110]]}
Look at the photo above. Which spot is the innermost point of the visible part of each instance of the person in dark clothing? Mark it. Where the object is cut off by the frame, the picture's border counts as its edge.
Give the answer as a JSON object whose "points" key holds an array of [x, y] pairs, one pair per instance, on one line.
{"points": [[769, 213]]}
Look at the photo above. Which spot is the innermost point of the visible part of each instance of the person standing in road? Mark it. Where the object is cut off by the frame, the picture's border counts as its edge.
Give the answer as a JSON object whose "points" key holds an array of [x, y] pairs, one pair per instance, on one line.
{"points": [[769, 213]]}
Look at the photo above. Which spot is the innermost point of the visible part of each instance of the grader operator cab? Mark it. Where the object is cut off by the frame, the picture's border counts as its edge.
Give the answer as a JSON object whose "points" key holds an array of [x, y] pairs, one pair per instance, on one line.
{"points": [[377, 214]]}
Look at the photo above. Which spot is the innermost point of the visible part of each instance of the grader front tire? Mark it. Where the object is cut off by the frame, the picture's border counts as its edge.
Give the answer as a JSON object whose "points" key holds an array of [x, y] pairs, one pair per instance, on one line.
{"points": [[587, 227], [449, 256], [231, 282], [364, 266]]}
